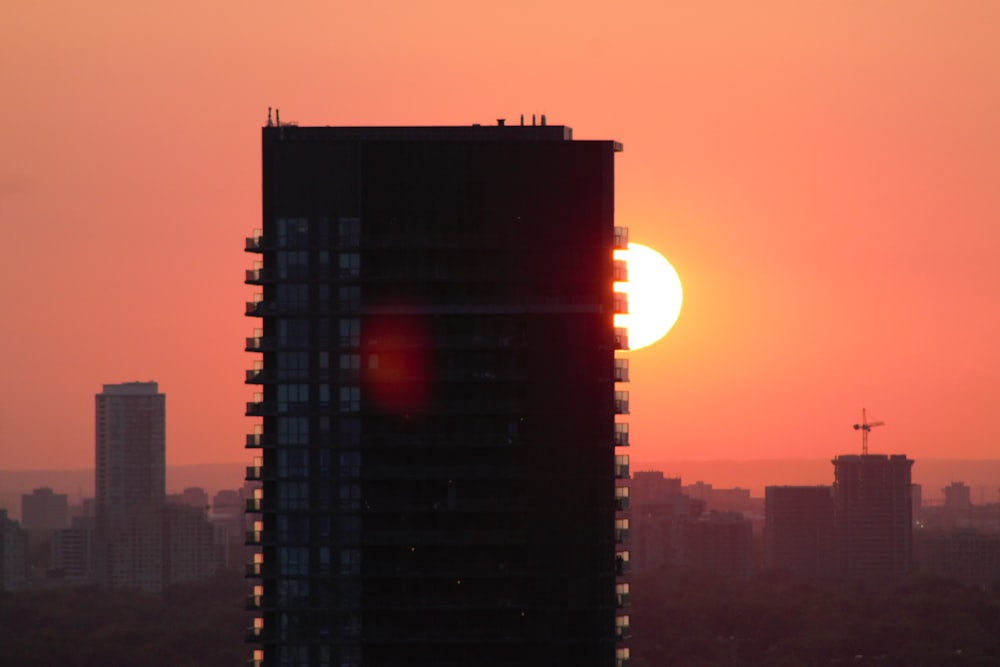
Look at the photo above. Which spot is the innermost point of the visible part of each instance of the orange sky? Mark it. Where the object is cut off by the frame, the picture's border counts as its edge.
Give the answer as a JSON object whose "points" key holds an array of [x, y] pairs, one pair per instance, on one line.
{"points": [[825, 177]]}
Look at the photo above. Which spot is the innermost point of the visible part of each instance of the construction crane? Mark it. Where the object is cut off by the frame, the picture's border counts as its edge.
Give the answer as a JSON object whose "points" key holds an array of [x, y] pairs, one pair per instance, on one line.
{"points": [[865, 426]]}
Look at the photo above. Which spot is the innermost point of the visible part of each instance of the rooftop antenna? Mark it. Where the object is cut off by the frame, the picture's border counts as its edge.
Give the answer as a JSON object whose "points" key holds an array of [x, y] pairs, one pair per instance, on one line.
{"points": [[522, 120], [865, 426], [269, 116], [532, 120], [277, 117], [543, 119]]}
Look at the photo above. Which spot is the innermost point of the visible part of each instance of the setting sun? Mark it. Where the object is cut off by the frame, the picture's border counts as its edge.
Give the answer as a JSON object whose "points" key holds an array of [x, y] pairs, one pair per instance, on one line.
{"points": [[654, 295]]}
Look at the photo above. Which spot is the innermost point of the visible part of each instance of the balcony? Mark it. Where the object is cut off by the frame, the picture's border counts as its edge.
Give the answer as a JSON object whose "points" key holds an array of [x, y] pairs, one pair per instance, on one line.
{"points": [[257, 440], [621, 403], [621, 466], [621, 499], [622, 628], [622, 565], [623, 595], [620, 238], [622, 657], [253, 636], [256, 242], [255, 504], [621, 370], [254, 538], [254, 570], [621, 435], [621, 271], [259, 276], [620, 303], [621, 535], [255, 473], [260, 308], [621, 338], [258, 376], [259, 344], [260, 408]]}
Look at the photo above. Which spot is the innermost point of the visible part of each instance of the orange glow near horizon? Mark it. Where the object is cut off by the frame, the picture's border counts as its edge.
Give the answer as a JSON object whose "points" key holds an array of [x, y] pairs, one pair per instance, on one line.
{"points": [[824, 177]]}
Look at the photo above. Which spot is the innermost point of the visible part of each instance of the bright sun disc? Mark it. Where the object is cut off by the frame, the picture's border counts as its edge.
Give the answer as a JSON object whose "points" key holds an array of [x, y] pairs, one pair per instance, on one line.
{"points": [[654, 295]]}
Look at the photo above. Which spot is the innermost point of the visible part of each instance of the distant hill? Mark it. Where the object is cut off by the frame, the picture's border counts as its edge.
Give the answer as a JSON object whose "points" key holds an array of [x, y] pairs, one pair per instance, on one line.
{"points": [[79, 483]]}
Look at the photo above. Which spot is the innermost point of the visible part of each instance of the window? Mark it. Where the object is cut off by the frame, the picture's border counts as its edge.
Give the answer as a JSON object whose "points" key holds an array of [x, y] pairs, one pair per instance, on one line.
{"points": [[293, 496], [293, 397], [350, 366], [350, 399], [292, 232], [350, 265], [293, 430], [349, 231], [350, 332], [350, 297], [293, 365]]}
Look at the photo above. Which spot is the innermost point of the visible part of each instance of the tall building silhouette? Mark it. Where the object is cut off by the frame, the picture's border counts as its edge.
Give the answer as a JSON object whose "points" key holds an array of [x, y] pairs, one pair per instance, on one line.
{"points": [[873, 515], [130, 473], [436, 399]]}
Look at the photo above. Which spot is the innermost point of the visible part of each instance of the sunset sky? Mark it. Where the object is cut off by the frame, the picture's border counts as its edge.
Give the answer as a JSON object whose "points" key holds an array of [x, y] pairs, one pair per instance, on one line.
{"points": [[825, 177]]}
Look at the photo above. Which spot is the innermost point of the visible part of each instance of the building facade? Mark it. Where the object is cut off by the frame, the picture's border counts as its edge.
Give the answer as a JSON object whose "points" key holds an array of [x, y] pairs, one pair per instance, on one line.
{"points": [[436, 399], [799, 532], [873, 514]]}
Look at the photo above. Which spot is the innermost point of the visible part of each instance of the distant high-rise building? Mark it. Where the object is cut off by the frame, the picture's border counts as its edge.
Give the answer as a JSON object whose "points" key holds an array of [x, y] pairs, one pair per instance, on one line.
{"points": [[799, 531], [43, 510], [437, 399], [873, 514], [130, 476], [73, 552], [957, 497]]}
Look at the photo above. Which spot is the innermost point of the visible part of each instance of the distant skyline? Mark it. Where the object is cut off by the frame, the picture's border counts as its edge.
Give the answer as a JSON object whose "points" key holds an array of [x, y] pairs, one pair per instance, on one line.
{"points": [[823, 178]]}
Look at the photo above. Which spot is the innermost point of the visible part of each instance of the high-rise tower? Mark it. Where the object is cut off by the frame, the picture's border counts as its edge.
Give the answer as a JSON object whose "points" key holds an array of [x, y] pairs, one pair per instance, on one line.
{"points": [[872, 514], [130, 475], [436, 435]]}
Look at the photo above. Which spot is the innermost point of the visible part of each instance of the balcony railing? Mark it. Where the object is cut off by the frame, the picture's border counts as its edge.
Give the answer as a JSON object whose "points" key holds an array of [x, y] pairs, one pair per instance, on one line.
{"points": [[621, 435], [254, 569], [621, 271], [255, 473], [258, 376], [254, 635], [254, 538], [621, 403], [621, 370], [621, 466], [621, 338], [255, 504], [261, 408], [621, 504], [260, 276], [622, 565], [256, 440], [259, 344], [256, 243], [620, 304], [621, 535], [621, 238]]}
